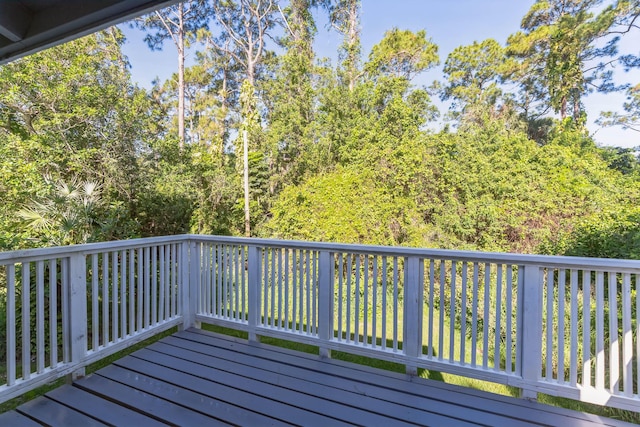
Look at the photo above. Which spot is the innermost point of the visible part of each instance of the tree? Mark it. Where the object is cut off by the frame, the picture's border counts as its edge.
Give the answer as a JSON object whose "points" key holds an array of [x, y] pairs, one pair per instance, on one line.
{"points": [[85, 117], [339, 111], [403, 54], [560, 41], [631, 118], [344, 16], [180, 24], [628, 14], [244, 27], [289, 98], [474, 74]]}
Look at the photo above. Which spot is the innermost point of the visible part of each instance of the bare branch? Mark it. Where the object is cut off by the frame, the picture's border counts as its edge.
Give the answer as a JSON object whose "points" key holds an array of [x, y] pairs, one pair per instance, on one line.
{"points": [[630, 26], [284, 19], [167, 25]]}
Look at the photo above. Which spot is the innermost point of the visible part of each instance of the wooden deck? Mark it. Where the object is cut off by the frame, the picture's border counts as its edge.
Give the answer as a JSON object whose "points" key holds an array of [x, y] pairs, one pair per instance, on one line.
{"points": [[197, 378]]}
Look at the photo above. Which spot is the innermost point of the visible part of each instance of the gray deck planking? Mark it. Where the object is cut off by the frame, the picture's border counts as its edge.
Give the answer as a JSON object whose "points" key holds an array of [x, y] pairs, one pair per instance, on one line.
{"points": [[467, 399], [15, 419], [246, 400], [197, 378], [163, 408], [51, 413], [109, 412], [306, 396], [360, 397]]}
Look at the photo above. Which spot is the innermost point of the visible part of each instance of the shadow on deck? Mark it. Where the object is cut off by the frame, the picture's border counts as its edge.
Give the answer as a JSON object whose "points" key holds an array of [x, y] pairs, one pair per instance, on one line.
{"points": [[198, 378]]}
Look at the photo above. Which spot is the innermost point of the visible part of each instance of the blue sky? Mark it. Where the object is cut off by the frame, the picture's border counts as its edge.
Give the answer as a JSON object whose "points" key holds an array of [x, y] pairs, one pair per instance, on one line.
{"points": [[449, 23]]}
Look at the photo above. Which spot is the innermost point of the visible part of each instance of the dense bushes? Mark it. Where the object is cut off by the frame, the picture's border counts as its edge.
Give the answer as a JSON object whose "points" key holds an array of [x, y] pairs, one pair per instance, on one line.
{"points": [[486, 188]]}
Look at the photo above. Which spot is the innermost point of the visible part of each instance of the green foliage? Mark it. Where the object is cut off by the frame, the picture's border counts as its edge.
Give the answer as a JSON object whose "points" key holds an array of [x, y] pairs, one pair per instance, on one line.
{"points": [[473, 75], [290, 97], [346, 205], [559, 42], [83, 122], [334, 152], [624, 160], [185, 18], [609, 235], [74, 212], [402, 54], [631, 118], [487, 188]]}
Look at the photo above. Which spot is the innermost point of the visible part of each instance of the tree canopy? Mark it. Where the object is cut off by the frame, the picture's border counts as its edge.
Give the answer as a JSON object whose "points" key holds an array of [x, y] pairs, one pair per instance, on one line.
{"points": [[259, 136]]}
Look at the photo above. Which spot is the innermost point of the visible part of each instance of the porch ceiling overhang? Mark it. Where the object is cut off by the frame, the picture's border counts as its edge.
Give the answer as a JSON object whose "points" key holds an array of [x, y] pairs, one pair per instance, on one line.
{"points": [[27, 26]]}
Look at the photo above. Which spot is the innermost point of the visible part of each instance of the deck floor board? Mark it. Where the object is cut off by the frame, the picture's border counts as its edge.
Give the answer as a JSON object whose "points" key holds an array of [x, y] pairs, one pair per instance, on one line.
{"points": [[16, 419], [357, 394], [440, 393], [196, 378], [109, 412], [146, 395], [51, 413]]}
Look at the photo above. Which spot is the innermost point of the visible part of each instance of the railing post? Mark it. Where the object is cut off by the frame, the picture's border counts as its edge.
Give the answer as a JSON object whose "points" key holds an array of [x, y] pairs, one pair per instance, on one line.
{"points": [[413, 289], [530, 343], [77, 312], [253, 282], [189, 282], [325, 302]]}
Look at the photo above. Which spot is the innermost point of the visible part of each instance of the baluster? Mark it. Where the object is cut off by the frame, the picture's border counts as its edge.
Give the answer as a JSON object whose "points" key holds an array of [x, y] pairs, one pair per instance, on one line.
{"points": [[395, 303], [95, 318], [463, 313], [614, 351], [432, 283], [384, 303], [26, 321], [498, 329], [586, 329], [53, 313], [627, 337], [561, 320], [452, 312], [573, 363], [441, 307], [508, 326], [11, 324]]}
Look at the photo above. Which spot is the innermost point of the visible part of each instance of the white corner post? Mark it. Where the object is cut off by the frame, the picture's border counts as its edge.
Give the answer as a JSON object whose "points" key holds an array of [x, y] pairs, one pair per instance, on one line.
{"points": [[325, 302], [77, 313], [253, 272], [189, 283], [413, 290], [530, 345]]}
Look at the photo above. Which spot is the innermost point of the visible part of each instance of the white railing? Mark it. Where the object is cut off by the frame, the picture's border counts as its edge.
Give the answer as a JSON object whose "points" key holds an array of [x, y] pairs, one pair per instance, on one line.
{"points": [[521, 320], [67, 307], [557, 325]]}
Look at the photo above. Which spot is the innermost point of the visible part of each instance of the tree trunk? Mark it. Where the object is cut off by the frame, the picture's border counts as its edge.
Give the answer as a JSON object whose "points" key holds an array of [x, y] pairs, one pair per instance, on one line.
{"points": [[181, 76], [354, 40], [245, 137], [245, 157], [224, 106]]}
